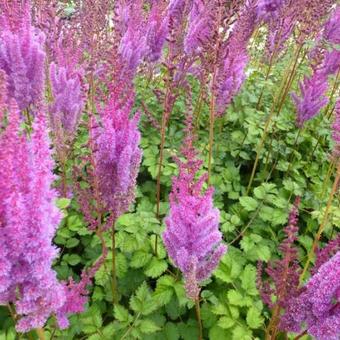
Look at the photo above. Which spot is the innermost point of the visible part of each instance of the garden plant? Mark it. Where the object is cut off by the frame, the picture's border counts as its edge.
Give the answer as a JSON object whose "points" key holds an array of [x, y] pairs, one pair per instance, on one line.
{"points": [[169, 169]]}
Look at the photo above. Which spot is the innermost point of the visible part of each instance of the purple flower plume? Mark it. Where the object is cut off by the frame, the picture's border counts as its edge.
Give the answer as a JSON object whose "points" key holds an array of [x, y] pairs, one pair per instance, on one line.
{"points": [[192, 238], [201, 26], [267, 9], [234, 58], [117, 156], [318, 306], [22, 58], [332, 28], [313, 89], [157, 30], [28, 220], [68, 102]]}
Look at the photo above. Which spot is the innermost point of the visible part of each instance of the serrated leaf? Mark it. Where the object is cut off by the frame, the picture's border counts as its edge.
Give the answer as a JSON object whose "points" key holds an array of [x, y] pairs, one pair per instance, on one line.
{"points": [[148, 326], [142, 302], [248, 278], [156, 267], [140, 259], [164, 289], [171, 332], [225, 322], [235, 297], [121, 313], [254, 319], [249, 203]]}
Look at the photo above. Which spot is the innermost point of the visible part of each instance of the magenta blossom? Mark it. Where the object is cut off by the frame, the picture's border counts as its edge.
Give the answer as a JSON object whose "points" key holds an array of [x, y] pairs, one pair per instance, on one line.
{"points": [[192, 238]]}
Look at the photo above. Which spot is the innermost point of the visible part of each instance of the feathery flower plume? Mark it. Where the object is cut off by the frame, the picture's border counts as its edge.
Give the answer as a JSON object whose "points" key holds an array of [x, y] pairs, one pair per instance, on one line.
{"points": [[29, 219], [332, 28], [67, 103], [200, 27], [22, 58], [318, 306], [192, 238], [157, 30], [268, 9], [118, 158], [234, 58]]}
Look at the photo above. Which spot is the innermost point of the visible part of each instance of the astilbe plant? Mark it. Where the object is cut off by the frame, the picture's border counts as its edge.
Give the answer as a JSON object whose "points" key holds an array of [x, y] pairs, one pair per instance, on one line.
{"points": [[28, 219], [283, 275], [192, 238], [22, 57], [313, 89], [318, 305]]}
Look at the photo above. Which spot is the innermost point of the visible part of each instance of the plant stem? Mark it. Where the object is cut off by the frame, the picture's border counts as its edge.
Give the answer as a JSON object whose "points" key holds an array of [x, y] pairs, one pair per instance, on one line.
{"points": [[40, 333], [287, 81], [114, 279], [323, 224], [199, 320], [300, 335]]}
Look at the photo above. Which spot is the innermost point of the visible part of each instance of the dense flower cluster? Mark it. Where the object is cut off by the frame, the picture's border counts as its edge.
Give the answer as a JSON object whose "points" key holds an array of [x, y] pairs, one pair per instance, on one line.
{"points": [[192, 238], [22, 58], [313, 89], [28, 220], [67, 99], [318, 306], [267, 9]]}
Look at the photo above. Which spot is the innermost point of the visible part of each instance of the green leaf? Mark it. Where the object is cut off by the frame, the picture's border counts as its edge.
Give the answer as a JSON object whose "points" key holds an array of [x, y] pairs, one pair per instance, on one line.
{"points": [[171, 331], [121, 313], [164, 289], [254, 319], [72, 242], [63, 203], [235, 297], [156, 267], [248, 278], [148, 326], [249, 203], [140, 259], [72, 259], [225, 322], [143, 302]]}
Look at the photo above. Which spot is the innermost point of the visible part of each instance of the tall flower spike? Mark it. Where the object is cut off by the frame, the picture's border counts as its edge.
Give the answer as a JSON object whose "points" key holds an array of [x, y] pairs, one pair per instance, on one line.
{"points": [[67, 103], [22, 58], [118, 157], [313, 89], [285, 272], [318, 306], [29, 219], [192, 238], [234, 58], [157, 30], [201, 26]]}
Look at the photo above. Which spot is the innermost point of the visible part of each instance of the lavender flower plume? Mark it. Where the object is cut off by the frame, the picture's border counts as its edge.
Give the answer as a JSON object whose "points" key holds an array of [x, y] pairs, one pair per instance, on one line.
{"points": [[332, 28], [192, 238], [67, 105], [268, 9], [312, 98], [28, 219], [200, 27], [318, 306], [22, 58], [157, 30], [118, 157], [234, 58]]}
